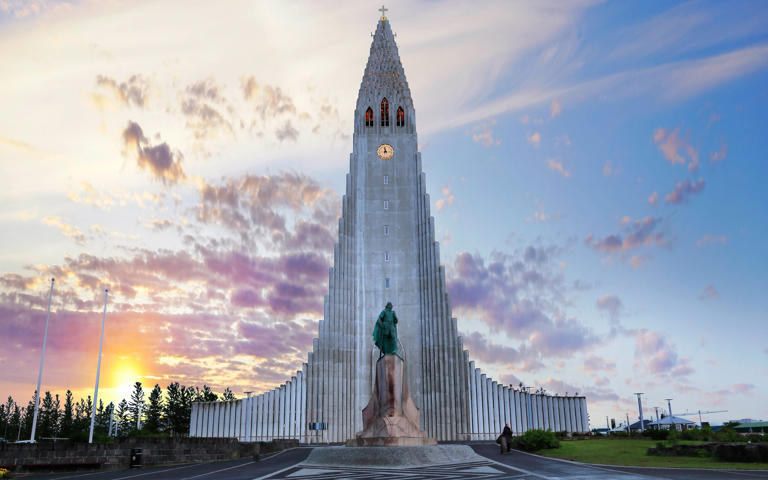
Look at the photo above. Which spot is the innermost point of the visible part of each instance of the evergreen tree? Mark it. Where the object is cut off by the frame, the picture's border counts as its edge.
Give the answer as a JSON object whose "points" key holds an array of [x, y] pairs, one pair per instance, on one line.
{"points": [[68, 416], [15, 423], [178, 407], [228, 396], [29, 415], [205, 395], [122, 419], [83, 414], [47, 417], [102, 418], [136, 405], [155, 410]]}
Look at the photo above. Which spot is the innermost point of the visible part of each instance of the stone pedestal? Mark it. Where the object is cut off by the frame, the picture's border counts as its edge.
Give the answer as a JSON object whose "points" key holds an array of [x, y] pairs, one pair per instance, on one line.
{"points": [[391, 418]]}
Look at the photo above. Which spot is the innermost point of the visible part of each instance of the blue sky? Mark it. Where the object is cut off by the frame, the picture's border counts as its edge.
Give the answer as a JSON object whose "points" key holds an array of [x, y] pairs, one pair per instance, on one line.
{"points": [[615, 150]]}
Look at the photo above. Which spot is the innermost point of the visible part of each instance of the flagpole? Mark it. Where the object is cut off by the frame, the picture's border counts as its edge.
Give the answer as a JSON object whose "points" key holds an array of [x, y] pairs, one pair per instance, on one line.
{"points": [[98, 367], [42, 359]]}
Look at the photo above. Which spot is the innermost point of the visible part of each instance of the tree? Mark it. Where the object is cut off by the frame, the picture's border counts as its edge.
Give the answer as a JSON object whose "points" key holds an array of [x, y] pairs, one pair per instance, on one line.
{"points": [[122, 420], [83, 410], [29, 415], [15, 423], [155, 410], [68, 417], [178, 407], [49, 416], [228, 396], [204, 395], [102, 418], [136, 405]]}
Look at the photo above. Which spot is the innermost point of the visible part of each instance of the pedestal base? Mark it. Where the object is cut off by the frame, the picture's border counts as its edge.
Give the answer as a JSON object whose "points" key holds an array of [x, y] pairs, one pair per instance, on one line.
{"points": [[391, 418]]}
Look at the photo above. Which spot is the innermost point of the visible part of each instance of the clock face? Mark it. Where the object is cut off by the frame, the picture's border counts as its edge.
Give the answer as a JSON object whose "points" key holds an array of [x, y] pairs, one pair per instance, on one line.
{"points": [[385, 151]]}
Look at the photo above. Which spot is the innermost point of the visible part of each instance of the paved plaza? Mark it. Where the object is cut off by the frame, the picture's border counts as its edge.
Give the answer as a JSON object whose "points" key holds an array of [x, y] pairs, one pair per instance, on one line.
{"points": [[489, 465]]}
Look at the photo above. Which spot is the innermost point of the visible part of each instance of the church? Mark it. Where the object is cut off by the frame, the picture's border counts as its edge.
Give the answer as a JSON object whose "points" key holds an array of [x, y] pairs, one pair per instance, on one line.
{"points": [[386, 252]]}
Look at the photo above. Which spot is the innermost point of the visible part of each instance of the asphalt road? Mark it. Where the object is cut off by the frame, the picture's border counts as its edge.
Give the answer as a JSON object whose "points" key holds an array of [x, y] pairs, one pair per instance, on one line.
{"points": [[233, 469], [517, 465]]}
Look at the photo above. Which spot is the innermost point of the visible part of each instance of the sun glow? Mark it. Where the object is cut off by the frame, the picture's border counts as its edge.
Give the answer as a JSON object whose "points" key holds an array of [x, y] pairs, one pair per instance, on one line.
{"points": [[121, 380]]}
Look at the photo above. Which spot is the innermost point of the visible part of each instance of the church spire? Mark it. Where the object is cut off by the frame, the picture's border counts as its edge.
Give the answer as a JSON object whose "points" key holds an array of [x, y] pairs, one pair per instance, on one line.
{"points": [[384, 77]]}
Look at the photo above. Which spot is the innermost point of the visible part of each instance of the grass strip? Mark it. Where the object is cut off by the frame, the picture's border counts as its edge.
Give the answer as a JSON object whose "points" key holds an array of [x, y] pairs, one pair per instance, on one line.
{"points": [[632, 452]]}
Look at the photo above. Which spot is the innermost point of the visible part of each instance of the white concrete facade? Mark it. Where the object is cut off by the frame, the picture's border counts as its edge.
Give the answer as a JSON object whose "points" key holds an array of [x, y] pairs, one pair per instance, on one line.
{"points": [[386, 253]]}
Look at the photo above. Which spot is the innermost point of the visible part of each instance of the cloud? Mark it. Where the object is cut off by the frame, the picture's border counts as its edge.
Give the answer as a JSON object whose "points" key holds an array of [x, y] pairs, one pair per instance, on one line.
{"points": [[709, 292], [202, 103], [287, 132], [638, 234], [483, 134], [636, 261], [608, 169], [683, 190], [655, 354], [157, 159], [132, 92], [535, 139], [594, 364], [447, 199], [557, 166], [612, 305], [520, 294], [719, 155], [555, 109], [267, 101], [743, 388], [69, 231], [481, 349], [28, 8], [673, 146], [710, 238], [654, 198], [260, 205]]}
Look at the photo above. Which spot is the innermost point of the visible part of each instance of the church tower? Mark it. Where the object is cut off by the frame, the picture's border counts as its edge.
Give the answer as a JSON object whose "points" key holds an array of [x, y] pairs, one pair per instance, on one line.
{"points": [[386, 252]]}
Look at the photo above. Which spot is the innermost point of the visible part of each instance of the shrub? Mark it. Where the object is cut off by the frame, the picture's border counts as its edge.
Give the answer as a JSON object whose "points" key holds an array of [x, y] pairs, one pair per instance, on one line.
{"points": [[672, 437], [728, 434], [690, 434], [534, 440], [657, 434]]}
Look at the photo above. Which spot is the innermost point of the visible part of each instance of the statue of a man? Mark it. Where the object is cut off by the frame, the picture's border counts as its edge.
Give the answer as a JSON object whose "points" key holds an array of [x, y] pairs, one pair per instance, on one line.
{"points": [[385, 331]]}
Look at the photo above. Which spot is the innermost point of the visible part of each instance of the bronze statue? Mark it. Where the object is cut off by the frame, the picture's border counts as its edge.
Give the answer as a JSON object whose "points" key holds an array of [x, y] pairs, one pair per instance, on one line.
{"points": [[385, 331]]}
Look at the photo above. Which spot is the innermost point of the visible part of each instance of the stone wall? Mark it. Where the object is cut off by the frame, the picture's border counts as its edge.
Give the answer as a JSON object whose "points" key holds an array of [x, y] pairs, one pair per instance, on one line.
{"points": [[156, 451]]}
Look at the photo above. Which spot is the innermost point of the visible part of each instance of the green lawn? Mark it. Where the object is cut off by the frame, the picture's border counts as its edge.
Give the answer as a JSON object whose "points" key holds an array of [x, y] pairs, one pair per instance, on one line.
{"points": [[633, 452]]}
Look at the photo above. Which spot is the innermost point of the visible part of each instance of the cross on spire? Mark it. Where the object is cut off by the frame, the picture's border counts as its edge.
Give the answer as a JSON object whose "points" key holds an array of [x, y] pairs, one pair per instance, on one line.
{"points": [[383, 12]]}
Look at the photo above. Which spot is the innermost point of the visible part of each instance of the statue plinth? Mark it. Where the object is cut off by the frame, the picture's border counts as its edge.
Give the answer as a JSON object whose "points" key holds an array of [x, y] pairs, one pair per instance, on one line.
{"points": [[391, 418]]}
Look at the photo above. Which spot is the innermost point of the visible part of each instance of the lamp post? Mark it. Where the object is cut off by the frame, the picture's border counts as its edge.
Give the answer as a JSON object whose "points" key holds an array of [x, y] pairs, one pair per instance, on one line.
{"points": [[40, 374], [640, 408], [98, 368]]}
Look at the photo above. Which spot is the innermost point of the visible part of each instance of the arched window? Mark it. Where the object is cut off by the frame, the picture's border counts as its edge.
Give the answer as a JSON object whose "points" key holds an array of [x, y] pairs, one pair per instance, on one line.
{"points": [[369, 117], [400, 117], [384, 112]]}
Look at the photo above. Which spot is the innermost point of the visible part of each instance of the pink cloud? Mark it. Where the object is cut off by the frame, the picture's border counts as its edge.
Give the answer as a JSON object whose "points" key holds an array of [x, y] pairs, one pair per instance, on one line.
{"points": [[683, 190], [637, 234], [710, 238], [673, 147]]}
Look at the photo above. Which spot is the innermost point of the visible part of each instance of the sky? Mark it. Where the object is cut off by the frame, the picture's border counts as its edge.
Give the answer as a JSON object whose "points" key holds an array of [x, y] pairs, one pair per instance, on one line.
{"points": [[596, 171]]}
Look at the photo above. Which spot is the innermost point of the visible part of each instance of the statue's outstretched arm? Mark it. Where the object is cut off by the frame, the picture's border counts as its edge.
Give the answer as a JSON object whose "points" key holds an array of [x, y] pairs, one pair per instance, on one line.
{"points": [[394, 316]]}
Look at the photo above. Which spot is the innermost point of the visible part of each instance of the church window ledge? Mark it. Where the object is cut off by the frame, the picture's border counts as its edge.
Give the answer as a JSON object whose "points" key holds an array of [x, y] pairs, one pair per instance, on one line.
{"points": [[386, 179], [400, 117], [386, 256], [386, 282], [386, 204], [386, 230], [369, 117]]}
